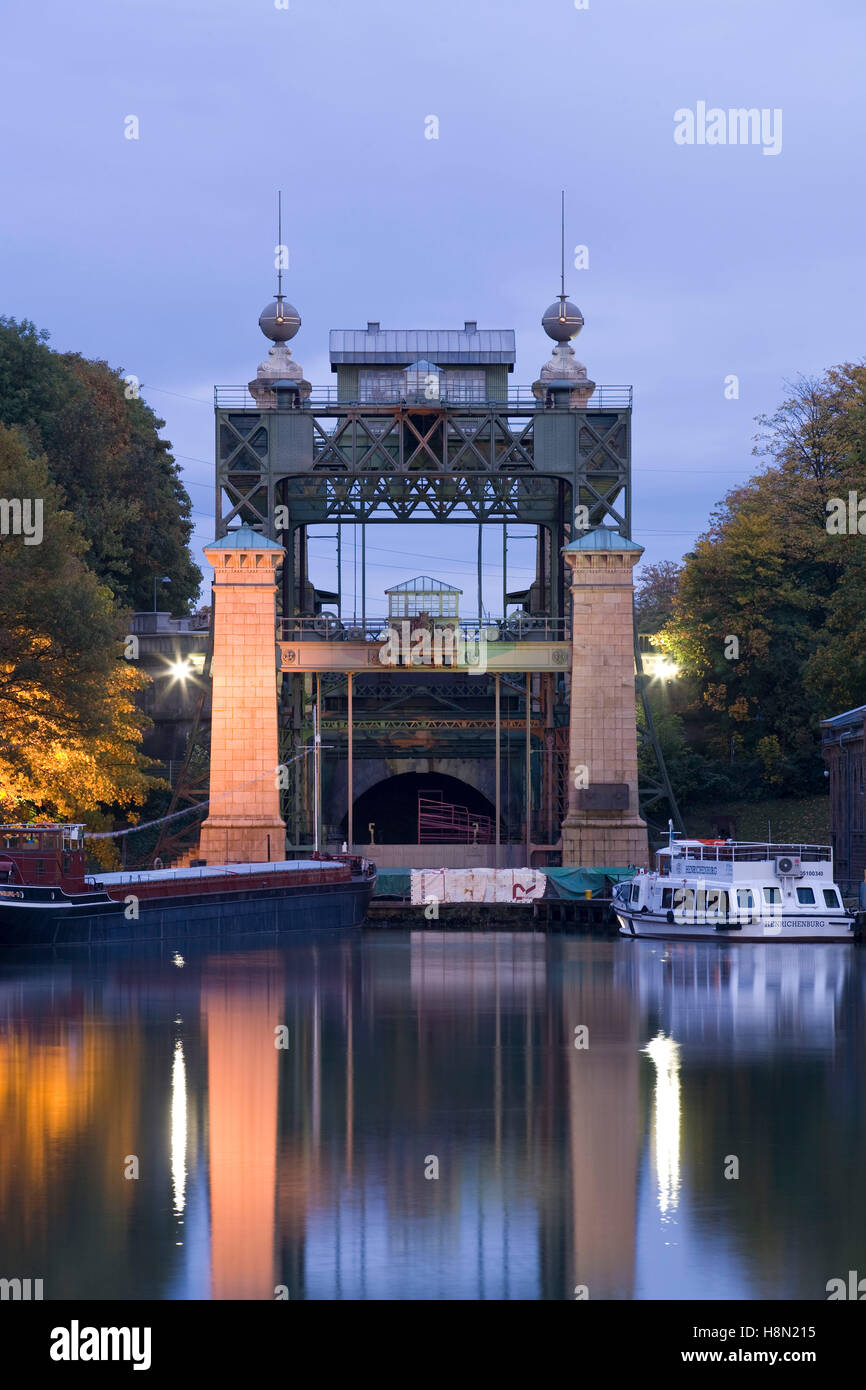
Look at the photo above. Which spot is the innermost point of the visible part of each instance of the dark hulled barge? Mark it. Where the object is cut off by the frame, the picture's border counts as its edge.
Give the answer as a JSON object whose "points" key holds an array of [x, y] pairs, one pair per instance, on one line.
{"points": [[46, 898]]}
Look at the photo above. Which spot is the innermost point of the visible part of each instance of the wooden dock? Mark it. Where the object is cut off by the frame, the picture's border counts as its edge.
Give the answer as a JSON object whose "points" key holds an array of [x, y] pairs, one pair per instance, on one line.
{"points": [[544, 914]]}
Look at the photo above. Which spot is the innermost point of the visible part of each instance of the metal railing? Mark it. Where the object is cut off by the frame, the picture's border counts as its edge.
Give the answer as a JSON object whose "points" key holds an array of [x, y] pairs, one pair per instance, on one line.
{"points": [[328, 628], [440, 823], [743, 851], [231, 397]]}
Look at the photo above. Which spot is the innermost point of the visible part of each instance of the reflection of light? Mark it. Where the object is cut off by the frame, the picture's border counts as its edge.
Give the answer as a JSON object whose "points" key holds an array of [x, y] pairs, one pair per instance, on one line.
{"points": [[665, 1056], [179, 670], [178, 960], [178, 1128]]}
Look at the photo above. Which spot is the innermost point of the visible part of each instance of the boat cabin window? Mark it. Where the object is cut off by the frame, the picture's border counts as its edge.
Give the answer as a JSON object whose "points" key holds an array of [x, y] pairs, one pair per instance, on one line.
{"points": [[831, 897], [773, 895], [707, 904], [805, 895], [667, 897], [717, 904], [635, 892], [745, 899]]}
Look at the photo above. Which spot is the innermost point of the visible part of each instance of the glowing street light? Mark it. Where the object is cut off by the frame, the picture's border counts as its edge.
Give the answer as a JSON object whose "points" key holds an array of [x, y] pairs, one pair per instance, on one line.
{"points": [[666, 670]]}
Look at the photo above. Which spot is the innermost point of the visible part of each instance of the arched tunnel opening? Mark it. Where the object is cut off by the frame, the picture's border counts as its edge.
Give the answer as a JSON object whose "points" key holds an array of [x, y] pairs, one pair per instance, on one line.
{"points": [[392, 805]]}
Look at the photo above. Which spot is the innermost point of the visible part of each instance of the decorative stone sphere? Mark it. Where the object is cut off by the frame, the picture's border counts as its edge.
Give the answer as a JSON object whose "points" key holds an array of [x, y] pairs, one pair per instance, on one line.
{"points": [[279, 321], [562, 321]]}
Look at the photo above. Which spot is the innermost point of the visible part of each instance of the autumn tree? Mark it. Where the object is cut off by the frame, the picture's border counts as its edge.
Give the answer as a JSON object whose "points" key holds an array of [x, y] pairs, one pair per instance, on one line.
{"points": [[70, 733], [655, 592], [768, 616], [102, 449]]}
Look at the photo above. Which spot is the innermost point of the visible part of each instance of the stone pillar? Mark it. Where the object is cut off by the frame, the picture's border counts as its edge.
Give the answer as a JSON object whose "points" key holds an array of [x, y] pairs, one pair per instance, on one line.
{"points": [[244, 795], [602, 826]]}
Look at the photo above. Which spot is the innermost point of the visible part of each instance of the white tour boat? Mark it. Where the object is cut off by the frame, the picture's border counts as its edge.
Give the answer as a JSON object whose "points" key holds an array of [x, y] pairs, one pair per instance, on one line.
{"points": [[734, 890]]}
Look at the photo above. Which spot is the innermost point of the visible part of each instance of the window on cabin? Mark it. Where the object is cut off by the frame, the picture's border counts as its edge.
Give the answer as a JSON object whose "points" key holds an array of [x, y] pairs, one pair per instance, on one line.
{"points": [[378, 385], [745, 900], [667, 897], [831, 898], [805, 895], [467, 384], [684, 899], [773, 895]]}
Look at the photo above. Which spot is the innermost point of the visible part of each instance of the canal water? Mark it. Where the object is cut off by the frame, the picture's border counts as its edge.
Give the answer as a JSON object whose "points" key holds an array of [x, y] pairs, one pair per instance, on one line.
{"points": [[424, 1115]]}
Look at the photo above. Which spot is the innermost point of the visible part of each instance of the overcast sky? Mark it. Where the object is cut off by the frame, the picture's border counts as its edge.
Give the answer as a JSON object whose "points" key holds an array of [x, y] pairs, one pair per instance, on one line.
{"points": [[705, 260]]}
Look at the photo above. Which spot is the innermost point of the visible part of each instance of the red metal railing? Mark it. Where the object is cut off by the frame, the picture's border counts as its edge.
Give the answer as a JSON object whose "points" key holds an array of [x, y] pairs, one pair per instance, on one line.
{"points": [[439, 822]]}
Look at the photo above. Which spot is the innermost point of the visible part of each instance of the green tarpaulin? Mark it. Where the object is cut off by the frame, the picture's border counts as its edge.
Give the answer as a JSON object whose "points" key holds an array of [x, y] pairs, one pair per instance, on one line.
{"points": [[396, 883], [574, 883], [561, 883]]}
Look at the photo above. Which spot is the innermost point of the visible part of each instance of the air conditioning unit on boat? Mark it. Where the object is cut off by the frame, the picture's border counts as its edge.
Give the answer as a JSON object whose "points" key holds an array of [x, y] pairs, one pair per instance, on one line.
{"points": [[788, 866]]}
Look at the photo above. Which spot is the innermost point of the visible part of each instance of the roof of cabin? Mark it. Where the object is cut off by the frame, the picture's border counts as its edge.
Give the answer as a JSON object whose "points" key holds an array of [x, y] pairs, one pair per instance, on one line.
{"points": [[466, 346], [851, 716], [422, 584]]}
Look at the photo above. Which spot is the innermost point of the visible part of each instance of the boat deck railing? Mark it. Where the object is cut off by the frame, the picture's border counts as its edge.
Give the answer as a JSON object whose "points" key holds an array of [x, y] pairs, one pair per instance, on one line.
{"points": [[742, 851]]}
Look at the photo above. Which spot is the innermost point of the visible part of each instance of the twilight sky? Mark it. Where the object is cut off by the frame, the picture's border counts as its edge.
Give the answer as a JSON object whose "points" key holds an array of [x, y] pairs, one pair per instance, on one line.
{"points": [[704, 260]]}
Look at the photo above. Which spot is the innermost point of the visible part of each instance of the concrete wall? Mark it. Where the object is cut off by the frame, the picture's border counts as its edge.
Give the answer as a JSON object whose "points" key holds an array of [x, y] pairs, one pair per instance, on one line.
{"points": [[443, 856]]}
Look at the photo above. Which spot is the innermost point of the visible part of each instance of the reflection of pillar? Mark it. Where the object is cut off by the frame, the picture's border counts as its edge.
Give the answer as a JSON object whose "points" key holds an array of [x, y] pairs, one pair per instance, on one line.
{"points": [[602, 825], [242, 1012], [603, 1125], [350, 837], [244, 822]]}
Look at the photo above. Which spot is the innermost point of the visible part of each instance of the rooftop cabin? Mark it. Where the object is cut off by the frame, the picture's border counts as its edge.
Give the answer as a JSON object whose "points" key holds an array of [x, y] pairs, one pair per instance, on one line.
{"points": [[432, 597], [437, 365], [51, 855]]}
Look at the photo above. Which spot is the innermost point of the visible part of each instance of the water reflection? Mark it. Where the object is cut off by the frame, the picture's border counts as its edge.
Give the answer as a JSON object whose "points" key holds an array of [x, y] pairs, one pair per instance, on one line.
{"points": [[178, 1128], [578, 1099], [664, 1054]]}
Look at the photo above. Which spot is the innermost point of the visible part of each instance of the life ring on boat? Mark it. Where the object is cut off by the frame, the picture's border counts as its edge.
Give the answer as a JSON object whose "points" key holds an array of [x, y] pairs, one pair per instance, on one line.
{"points": [[670, 918]]}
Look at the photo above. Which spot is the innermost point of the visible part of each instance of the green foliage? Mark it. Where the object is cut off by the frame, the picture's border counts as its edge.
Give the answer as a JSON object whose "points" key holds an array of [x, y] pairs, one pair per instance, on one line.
{"points": [[770, 575], [69, 731], [103, 451], [654, 596], [694, 775], [788, 819]]}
